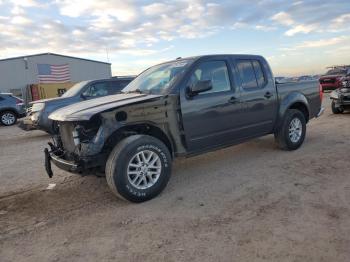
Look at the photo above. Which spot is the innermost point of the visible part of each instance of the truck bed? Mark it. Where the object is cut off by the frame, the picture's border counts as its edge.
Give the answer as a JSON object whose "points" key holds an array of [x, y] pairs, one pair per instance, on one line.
{"points": [[310, 89]]}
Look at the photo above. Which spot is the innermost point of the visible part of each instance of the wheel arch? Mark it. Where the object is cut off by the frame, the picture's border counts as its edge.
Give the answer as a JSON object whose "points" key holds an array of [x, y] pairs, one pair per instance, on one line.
{"points": [[6, 109], [295, 100], [138, 129]]}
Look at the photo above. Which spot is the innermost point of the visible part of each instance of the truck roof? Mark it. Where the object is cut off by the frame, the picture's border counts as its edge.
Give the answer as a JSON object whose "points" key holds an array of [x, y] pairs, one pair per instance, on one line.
{"points": [[242, 56]]}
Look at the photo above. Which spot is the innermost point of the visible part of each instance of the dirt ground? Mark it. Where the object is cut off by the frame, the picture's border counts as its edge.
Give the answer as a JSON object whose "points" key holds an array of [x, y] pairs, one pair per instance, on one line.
{"points": [[251, 202]]}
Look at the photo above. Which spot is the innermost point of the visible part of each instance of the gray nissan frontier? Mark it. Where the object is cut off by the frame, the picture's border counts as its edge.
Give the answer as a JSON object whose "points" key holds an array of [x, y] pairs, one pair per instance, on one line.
{"points": [[179, 108]]}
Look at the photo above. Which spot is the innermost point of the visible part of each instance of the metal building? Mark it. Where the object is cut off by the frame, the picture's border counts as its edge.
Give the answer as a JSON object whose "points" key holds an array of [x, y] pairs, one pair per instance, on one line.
{"points": [[18, 72]]}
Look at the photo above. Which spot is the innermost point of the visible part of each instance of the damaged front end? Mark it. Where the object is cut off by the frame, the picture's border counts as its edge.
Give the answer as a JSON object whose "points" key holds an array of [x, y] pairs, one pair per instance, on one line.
{"points": [[341, 96], [79, 145], [89, 130]]}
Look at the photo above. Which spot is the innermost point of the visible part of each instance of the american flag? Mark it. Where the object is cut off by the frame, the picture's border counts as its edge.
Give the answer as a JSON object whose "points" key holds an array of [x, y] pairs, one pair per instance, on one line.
{"points": [[53, 73]]}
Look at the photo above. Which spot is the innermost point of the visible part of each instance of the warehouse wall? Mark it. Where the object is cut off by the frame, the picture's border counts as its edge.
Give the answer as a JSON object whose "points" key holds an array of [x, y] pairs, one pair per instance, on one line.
{"points": [[14, 75]]}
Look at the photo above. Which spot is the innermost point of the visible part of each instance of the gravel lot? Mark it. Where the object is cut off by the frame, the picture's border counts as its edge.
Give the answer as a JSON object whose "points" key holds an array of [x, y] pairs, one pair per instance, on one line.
{"points": [[251, 202]]}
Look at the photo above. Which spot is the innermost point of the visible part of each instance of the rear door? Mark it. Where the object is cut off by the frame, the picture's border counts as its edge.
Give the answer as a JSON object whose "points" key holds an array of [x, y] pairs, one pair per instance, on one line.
{"points": [[258, 96], [212, 118]]}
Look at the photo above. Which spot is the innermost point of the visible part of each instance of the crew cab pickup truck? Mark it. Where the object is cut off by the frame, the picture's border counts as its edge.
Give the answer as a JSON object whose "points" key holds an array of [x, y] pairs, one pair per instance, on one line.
{"points": [[179, 108]]}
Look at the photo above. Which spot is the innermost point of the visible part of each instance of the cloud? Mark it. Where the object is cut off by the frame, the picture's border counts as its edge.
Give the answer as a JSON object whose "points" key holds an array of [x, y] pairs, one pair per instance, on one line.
{"points": [[340, 23], [321, 43], [283, 18], [305, 17], [21, 20], [239, 25], [145, 29], [286, 19], [25, 3], [123, 11], [301, 29], [265, 28], [324, 42]]}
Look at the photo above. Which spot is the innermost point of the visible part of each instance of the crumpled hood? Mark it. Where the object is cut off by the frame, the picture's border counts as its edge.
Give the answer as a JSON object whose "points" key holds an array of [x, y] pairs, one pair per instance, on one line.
{"points": [[85, 110]]}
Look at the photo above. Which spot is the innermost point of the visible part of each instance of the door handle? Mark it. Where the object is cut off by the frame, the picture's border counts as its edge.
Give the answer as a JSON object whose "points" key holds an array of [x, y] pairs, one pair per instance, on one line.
{"points": [[233, 100], [268, 95]]}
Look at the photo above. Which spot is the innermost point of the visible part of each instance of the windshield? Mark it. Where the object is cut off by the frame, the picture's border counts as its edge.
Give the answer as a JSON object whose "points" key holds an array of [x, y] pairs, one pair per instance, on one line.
{"points": [[74, 90], [157, 79]]}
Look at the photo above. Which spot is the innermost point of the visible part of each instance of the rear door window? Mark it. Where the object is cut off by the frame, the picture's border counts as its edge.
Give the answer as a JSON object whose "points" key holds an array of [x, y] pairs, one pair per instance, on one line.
{"points": [[251, 74], [247, 74], [260, 77]]}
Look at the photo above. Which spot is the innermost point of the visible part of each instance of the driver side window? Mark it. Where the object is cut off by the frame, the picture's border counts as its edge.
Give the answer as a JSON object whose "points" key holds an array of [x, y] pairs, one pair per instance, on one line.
{"points": [[216, 72], [96, 90]]}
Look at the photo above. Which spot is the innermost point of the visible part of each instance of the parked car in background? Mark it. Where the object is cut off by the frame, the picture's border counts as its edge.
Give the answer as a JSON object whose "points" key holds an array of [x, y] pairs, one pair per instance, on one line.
{"points": [[333, 78], [11, 108], [341, 96], [307, 78], [38, 111], [179, 108]]}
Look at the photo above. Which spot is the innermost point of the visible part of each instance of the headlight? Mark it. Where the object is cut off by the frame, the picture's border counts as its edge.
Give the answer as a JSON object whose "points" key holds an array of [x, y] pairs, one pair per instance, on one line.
{"points": [[334, 95], [34, 117], [38, 107]]}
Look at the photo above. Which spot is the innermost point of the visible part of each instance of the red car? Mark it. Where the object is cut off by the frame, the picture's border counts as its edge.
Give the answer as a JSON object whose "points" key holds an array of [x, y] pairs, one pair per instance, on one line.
{"points": [[333, 78]]}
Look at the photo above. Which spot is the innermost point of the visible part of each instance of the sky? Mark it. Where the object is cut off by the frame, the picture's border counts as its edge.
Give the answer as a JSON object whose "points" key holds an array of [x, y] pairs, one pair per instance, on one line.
{"points": [[296, 37]]}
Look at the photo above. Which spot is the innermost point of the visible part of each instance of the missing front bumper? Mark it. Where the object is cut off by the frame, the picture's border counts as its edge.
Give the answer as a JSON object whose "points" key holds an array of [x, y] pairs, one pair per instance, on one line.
{"points": [[69, 166], [83, 164]]}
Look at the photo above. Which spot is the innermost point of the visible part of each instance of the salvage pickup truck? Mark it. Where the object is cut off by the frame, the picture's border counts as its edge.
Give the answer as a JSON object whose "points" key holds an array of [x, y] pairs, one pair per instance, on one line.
{"points": [[179, 108]]}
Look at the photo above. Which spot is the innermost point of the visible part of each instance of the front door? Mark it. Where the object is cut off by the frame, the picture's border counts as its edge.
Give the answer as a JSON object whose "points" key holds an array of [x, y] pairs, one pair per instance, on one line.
{"points": [[211, 118]]}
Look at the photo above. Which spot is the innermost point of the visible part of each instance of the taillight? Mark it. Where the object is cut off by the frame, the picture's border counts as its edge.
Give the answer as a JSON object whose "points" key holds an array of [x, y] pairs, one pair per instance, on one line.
{"points": [[321, 92]]}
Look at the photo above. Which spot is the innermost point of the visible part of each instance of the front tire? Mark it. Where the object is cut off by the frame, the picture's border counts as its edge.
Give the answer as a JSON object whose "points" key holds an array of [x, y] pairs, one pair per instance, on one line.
{"points": [[8, 118], [291, 133], [336, 110], [138, 168]]}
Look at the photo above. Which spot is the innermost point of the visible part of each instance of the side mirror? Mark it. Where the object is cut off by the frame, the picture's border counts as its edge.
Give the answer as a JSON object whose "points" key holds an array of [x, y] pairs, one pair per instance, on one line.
{"points": [[348, 72], [200, 87]]}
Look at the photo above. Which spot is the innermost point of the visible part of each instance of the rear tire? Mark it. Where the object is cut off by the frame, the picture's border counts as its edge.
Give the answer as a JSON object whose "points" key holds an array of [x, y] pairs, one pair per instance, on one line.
{"points": [[8, 118], [336, 110], [291, 133], [138, 168]]}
